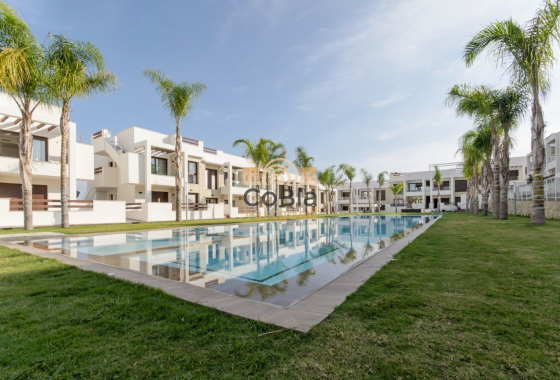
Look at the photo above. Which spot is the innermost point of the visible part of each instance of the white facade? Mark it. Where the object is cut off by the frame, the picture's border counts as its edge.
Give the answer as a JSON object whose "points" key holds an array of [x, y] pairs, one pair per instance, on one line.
{"points": [[45, 170], [137, 166]]}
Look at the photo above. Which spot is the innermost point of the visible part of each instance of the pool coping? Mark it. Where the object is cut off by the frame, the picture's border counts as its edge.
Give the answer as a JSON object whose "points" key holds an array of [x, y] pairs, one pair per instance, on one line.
{"points": [[300, 316]]}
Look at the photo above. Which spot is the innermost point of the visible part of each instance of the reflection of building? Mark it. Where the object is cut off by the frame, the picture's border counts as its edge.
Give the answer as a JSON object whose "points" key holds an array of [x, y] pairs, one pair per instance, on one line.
{"points": [[264, 254]]}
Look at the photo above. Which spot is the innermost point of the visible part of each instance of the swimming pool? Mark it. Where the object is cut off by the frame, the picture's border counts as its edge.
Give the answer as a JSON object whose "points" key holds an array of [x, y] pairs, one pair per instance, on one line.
{"points": [[275, 262]]}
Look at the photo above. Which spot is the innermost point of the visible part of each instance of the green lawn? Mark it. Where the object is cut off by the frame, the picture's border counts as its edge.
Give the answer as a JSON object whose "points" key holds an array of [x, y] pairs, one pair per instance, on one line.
{"points": [[470, 298], [99, 228]]}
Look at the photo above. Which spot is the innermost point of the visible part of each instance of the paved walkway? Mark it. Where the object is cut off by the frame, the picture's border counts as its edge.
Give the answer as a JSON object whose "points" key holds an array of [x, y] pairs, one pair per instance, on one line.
{"points": [[300, 316]]}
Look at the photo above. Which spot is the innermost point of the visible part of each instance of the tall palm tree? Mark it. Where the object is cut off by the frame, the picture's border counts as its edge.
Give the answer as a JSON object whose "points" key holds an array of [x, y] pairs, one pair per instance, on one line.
{"points": [[380, 181], [262, 152], [25, 83], [511, 105], [438, 181], [527, 54], [396, 189], [178, 98], [479, 103], [331, 179], [476, 148], [77, 71], [367, 178], [303, 160], [472, 158], [350, 173]]}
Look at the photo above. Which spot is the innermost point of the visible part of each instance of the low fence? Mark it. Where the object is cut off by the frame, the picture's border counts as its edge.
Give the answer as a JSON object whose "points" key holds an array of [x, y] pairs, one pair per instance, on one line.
{"points": [[525, 191]]}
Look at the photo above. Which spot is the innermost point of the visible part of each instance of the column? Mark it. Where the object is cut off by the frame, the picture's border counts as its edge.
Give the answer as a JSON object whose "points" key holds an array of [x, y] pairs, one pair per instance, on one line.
{"points": [[148, 172], [72, 164], [230, 188]]}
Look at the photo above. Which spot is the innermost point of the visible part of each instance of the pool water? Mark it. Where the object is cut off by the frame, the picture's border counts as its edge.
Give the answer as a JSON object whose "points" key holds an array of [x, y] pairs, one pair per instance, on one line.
{"points": [[276, 262]]}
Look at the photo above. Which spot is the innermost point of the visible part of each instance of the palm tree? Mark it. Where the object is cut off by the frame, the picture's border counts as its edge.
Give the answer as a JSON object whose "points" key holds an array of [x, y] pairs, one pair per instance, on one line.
{"points": [[331, 179], [479, 102], [438, 181], [262, 152], [476, 148], [24, 80], [511, 105], [380, 181], [396, 189], [77, 71], [178, 98], [350, 173], [303, 160], [367, 178], [527, 53]]}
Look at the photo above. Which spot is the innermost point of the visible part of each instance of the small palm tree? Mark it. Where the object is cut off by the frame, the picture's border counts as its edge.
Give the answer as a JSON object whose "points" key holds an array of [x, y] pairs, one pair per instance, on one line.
{"points": [[303, 160], [178, 98], [77, 71], [381, 177], [350, 173], [23, 77], [527, 53], [331, 179], [438, 181], [367, 178], [396, 189]]}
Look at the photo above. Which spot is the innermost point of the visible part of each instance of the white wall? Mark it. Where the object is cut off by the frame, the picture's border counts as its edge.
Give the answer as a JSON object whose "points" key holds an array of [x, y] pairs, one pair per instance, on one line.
{"points": [[104, 212]]}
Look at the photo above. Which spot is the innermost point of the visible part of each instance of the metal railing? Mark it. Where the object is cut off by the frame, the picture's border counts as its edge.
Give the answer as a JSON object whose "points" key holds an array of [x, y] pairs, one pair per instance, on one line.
{"points": [[525, 191], [16, 204], [210, 150], [190, 141]]}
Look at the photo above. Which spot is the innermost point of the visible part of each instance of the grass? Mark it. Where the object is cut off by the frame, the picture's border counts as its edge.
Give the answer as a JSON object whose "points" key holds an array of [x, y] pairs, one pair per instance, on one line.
{"points": [[470, 298], [100, 228]]}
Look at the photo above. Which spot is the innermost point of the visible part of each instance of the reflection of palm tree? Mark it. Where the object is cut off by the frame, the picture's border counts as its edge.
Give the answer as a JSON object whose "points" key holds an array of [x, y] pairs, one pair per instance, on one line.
{"points": [[265, 291], [349, 257], [303, 277]]}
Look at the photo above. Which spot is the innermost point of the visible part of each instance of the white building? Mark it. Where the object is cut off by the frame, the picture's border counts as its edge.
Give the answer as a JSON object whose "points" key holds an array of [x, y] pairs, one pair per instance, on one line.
{"points": [[45, 171], [137, 166]]}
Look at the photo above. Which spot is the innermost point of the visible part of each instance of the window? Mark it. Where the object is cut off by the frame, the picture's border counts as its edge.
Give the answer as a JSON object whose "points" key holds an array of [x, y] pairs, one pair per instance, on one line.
{"points": [[513, 175], [40, 149], [212, 200], [193, 172], [211, 179], [460, 185], [382, 195], [159, 166], [9, 144]]}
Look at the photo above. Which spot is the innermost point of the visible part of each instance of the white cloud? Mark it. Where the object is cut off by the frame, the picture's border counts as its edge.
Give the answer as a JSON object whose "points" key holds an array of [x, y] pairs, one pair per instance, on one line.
{"points": [[391, 99]]}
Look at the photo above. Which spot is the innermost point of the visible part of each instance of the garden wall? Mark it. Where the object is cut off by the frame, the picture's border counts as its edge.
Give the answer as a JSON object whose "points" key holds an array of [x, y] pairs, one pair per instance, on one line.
{"points": [[552, 209]]}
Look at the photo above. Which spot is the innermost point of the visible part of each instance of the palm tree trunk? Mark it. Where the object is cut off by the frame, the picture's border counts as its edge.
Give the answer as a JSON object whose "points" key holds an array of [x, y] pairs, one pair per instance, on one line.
{"points": [[64, 121], [538, 152], [178, 176], [475, 191], [504, 175], [486, 179], [25, 160], [496, 172], [369, 199], [379, 199], [439, 197]]}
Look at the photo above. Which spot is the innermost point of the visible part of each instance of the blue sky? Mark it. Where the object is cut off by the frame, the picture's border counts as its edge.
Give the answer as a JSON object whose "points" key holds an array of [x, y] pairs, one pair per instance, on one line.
{"points": [[360, 82]]}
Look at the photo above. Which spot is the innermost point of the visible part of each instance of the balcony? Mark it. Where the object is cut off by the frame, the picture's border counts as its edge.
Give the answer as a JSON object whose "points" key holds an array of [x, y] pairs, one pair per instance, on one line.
{"points": [[39, 168], [443, 188], [106, 176], [163, 180]]}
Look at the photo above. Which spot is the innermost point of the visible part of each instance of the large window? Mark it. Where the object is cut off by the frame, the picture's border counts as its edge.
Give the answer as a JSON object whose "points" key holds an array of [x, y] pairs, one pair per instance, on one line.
{"points": [[193, 172], [9, 146], [460, 185], [211, 179], [159, 166], [40, 149]]}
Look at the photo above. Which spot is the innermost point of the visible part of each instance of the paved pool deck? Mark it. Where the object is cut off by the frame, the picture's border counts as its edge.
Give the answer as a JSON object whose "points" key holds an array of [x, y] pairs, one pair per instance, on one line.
{"points": [[301, 316]]}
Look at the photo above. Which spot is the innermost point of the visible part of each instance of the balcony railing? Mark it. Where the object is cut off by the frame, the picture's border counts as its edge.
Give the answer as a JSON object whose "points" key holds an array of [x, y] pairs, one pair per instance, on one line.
{"points": [[210, 150], [16, 204], [442, 188], [190, 141], [415, 190]]}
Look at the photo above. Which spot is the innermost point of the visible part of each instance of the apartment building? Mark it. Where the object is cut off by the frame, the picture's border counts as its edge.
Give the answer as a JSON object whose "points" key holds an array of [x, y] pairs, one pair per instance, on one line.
{"points": [[551, 173], [137, 166], [45, 170], [418, 187]]}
